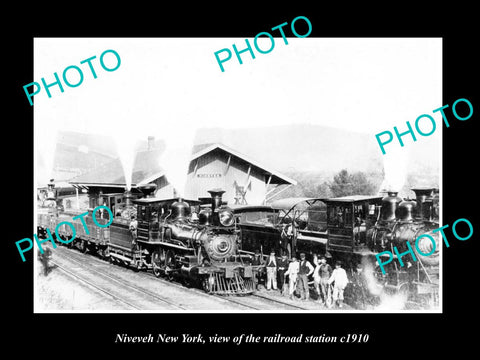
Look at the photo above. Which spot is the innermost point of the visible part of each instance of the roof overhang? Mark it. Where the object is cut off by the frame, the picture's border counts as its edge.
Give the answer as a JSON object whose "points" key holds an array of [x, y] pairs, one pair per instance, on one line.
{"points": [[354, 199], [288, 203]]}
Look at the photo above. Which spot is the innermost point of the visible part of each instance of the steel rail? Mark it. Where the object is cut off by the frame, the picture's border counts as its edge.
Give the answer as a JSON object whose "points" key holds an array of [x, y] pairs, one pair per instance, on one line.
{"points": [[129, 285], [92, 285]]}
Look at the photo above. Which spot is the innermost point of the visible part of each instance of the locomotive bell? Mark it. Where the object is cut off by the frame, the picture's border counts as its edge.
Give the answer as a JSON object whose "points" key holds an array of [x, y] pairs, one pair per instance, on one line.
{"points": [[389, 205], [128, 198], [180, 210], [405, 210]]}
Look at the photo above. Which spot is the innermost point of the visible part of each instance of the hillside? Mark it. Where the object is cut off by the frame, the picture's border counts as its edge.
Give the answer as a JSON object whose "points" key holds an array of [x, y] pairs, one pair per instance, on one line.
{"points": [[301, 148]]}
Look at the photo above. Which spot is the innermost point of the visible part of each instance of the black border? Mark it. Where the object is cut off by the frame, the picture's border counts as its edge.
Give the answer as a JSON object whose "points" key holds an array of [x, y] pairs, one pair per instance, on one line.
{"points": [[389, 333]]}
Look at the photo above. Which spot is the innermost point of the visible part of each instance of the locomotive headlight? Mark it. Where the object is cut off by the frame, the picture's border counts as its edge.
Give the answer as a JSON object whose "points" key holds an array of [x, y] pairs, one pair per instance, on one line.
{"points": [[425, 245], [226, 217]]}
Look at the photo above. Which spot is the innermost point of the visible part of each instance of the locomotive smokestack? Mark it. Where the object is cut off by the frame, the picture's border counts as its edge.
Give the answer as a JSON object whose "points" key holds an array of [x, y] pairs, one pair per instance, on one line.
{"points": [[128, 199], [216, 195], [148, 190], [389, 206], [423, 196], [51, 192]]}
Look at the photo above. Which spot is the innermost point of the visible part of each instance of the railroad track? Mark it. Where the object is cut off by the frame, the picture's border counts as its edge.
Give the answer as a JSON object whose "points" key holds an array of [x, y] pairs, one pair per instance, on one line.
{"points": [[97, 288], [251, 302], [74, 255], [125, 286], [203, 293], [238, 300], [279, 302]]}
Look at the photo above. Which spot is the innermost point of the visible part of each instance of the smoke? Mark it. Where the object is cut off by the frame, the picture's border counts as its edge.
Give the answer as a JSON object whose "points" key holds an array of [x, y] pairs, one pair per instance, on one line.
{"points": [[386, 302], [45, 151], [176, 157], [125, 144], [46, 128], [395, 167], [392, 302], [373, 286]]}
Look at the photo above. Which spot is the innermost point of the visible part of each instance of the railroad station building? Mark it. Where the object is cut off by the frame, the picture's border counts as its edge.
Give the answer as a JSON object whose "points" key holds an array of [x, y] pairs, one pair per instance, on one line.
{"points": [[244, 179]]}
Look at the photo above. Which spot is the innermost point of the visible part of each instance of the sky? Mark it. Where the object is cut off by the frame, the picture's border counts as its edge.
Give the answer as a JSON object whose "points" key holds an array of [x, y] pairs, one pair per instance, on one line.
{"points": [[169, 87]]}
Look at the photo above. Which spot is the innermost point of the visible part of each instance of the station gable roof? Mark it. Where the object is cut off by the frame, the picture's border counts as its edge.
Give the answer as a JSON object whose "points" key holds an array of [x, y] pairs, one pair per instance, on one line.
{"points": [[277, 177]]}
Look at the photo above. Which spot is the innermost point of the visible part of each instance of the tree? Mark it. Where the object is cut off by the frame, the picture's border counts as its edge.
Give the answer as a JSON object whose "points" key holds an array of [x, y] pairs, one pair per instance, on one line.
{"points": [[345, 184], [342, 184], [318, 184]]}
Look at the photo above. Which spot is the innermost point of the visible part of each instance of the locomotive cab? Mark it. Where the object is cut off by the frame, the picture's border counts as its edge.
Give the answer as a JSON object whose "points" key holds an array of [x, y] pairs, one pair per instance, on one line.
{"points": [[348, 220], [152, 213]]}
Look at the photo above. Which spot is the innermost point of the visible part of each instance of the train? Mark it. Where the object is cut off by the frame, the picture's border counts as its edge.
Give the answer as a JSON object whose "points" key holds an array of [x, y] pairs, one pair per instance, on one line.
{"points": [[207, 244], [166, 237], [355, 229]]}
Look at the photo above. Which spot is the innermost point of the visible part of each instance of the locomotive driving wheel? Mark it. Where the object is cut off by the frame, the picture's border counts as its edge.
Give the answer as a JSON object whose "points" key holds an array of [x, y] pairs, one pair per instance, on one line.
{"points": [[83, 246], [207, 284], [158, 258], [169, 264]]}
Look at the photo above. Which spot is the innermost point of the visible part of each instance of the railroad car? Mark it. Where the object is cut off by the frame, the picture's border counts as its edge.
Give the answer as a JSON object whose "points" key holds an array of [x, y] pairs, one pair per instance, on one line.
{"points": [[289, 226]]}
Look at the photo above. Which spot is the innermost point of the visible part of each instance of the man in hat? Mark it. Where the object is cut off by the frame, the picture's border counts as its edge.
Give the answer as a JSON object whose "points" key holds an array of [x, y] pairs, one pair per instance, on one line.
{"points": [[322, 273], [271, 266], [304, 271], [133, 230], [339, 277], [282, 266]]}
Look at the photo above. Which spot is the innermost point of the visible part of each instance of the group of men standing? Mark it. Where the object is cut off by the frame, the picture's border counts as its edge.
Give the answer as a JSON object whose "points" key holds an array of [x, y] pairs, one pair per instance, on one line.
{"points": [[329, 283]]}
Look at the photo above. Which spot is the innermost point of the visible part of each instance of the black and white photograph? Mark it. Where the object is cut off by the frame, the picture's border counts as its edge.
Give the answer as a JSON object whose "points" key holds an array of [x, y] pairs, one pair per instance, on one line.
{"points": [[270, 191]]}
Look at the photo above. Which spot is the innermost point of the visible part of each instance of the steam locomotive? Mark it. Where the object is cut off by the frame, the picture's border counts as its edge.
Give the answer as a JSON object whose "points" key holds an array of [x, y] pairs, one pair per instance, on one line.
{"points": [[402, 221], [355, 229], [168, 238], [379, 224]]}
